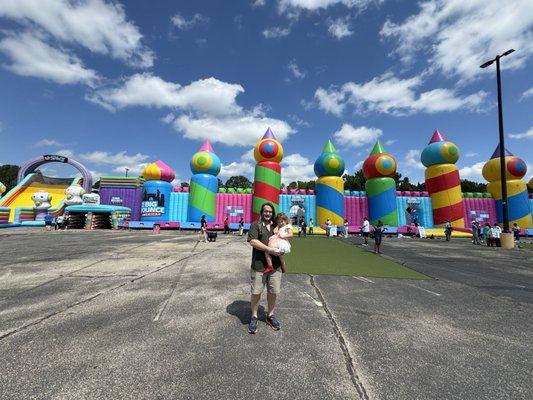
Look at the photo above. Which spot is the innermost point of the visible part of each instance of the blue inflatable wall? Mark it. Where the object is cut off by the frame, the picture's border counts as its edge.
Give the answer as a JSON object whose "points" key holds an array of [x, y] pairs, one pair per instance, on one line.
{"points": [[179, 201], [155, 201], [309, 203], [423, 210]]}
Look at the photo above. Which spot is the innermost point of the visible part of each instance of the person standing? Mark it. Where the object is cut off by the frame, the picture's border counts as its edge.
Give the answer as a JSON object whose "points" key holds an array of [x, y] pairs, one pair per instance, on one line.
{"points": [[495, 234], [311, 226], [328, 227], [366, 230], [48, 219], [378, 235], [258, 235], [346, 228], [203, 229], [447, 230], [475, 232], [303, 225], [487, 234], [516, 232], [226, 225], [59, 223], [241, 226]]}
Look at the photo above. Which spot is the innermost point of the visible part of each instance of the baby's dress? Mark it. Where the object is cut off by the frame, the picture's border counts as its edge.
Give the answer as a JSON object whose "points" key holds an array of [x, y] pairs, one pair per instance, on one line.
{"points": [[283, 244]]}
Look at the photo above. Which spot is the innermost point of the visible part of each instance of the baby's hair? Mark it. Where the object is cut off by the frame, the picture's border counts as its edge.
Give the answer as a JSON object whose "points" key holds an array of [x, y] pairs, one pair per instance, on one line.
{"points": [[283, 217]]}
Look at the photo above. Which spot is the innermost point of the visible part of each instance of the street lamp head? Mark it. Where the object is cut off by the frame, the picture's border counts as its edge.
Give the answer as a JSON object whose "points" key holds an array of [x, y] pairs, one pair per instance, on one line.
{"points": [[485, 65], [508, 52]]}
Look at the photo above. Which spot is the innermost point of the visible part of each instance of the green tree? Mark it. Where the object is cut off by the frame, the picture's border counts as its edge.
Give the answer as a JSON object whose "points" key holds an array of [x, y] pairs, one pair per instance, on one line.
{"points": [[8, 175], [471, 186], [220, 183], [292, 185], [354, 182], [184, 184], [238, 182]]}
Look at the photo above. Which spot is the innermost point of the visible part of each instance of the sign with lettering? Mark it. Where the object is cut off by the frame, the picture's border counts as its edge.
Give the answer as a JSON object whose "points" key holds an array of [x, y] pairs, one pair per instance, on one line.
{"points": [[55, 158], [90, 199], [116, 200], [152, 208]]}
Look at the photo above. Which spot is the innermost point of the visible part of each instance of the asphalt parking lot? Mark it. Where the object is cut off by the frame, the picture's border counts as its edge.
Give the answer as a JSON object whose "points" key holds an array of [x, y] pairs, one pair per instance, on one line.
{"points": [[130, 315]]}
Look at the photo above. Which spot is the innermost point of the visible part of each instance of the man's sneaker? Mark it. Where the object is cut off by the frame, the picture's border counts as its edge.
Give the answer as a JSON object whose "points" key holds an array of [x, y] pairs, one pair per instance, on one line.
{"points": [[273, 322], [252, 326]]}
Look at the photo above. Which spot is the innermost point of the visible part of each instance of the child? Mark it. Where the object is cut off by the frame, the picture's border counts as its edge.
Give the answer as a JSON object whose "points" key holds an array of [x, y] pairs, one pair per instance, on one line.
{"points": [[282, 232]]}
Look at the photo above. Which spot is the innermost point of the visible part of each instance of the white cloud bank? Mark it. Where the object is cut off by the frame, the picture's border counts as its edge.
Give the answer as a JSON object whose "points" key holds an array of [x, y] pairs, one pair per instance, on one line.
{"points": [[388, 94], [349, 136], [525, 135], [460, 35]]}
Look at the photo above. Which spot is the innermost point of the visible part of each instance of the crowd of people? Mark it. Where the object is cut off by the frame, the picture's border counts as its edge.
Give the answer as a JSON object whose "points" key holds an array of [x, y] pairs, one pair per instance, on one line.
{"points": [[56, 223]]}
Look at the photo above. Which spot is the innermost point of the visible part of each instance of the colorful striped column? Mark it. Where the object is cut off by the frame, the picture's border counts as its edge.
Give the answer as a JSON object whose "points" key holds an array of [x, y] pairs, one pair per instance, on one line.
{"points": [[329, 167], [380, 187], [268, 153], [205, 165], [518, 202], [442, 180]]}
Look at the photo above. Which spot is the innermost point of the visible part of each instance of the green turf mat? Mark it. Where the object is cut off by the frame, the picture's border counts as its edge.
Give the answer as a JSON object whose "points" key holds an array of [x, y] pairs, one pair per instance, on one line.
{"points": [[329, 256]]}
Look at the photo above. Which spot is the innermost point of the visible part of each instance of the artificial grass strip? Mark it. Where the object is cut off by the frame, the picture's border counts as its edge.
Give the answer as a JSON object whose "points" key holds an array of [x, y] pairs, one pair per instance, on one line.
{"points": [[329, 256]]}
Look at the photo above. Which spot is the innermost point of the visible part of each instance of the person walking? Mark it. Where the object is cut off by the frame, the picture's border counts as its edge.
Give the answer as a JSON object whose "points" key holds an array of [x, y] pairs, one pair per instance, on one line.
{"points": [[516, 232], [365, 229], [258, 236], [487, 234], [226, 225]]}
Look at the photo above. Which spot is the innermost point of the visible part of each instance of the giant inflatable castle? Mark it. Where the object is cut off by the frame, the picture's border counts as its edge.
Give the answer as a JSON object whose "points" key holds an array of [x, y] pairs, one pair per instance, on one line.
{"points": [[153, 200]]}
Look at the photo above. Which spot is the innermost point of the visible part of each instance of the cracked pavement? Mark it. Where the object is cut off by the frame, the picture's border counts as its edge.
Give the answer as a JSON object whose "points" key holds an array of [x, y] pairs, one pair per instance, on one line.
{"points": [[99, 315]]}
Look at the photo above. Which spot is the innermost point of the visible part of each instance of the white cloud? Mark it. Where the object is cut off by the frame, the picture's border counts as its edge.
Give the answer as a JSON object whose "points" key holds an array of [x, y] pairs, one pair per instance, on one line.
{"points": [[296, 167], [212, 111], [248, 156], [31, 56], [295, 70], [459, 35], [46, 143], [390, 142], [183, 23], [313, 5], [391, 95], [524, 135], [203, 96], [340, 28], [101, 27], [412, 160], [236, 169], [528, 93], [258, 3], [471, 154], [298, 121], [350, 136], [358, 165], [118, 161], [65, 153], [472, 172], [275, 32], [236, 130]]}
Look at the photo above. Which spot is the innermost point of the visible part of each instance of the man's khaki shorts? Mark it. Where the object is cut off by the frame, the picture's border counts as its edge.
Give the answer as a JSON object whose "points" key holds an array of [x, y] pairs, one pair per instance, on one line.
{"points": [[259, 280]]}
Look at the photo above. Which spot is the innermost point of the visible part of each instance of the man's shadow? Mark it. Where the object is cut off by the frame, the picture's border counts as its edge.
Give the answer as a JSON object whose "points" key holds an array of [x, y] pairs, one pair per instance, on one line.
{"points": [[241, 309]]}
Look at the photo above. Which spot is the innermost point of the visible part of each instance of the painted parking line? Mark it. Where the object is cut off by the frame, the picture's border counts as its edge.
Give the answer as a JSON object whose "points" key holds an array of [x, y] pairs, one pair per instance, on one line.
{"points": [[363, 279], [426, 290]]}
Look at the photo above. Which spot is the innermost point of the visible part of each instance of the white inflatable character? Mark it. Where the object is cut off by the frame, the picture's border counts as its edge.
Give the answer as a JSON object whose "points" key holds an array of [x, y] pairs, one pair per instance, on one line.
{"points": [[3, 188], [41, 201], [73, 195]]}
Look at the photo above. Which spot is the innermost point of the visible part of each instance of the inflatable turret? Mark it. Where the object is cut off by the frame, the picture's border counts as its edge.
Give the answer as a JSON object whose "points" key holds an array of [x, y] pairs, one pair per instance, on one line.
{"points": [[268, 153], [518, 203], [442, 180], [156, 192], [380, 188], [205, 166], [329, 168]]}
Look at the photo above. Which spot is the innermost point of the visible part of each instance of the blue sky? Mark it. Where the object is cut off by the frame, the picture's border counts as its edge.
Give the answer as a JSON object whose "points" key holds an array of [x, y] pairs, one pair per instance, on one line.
{"points": [[116, 85]]}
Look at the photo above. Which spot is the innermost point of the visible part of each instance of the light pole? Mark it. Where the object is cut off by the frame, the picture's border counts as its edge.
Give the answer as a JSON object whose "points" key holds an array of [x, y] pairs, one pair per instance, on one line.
{"points": [[127, 169], [505, 206]]}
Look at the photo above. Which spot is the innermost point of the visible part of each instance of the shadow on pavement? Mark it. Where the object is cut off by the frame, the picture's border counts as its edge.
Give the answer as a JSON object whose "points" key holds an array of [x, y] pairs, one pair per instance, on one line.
{"points": [[241, 309]]}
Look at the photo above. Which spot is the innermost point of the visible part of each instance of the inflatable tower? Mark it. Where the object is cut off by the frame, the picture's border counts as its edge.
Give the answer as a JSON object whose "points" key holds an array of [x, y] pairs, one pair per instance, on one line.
{"points": [[329, 167], [380, 187], [156, 192], [205, 166], [268, 153], [442, 180], [518, 203]]}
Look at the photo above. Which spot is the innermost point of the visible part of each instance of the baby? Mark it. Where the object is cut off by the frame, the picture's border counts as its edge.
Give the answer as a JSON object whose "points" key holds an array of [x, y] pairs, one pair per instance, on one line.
{"points": [[282, 232]]}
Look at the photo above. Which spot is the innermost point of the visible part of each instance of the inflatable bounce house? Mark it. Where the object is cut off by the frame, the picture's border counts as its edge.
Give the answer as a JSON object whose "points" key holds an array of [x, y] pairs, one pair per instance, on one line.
{"points": [[153, 200], [148, 200], [36, 196]]}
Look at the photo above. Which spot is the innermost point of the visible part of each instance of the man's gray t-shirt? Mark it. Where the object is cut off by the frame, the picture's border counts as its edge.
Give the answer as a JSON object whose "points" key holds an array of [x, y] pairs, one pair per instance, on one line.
{"points": [[260, 232]]}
